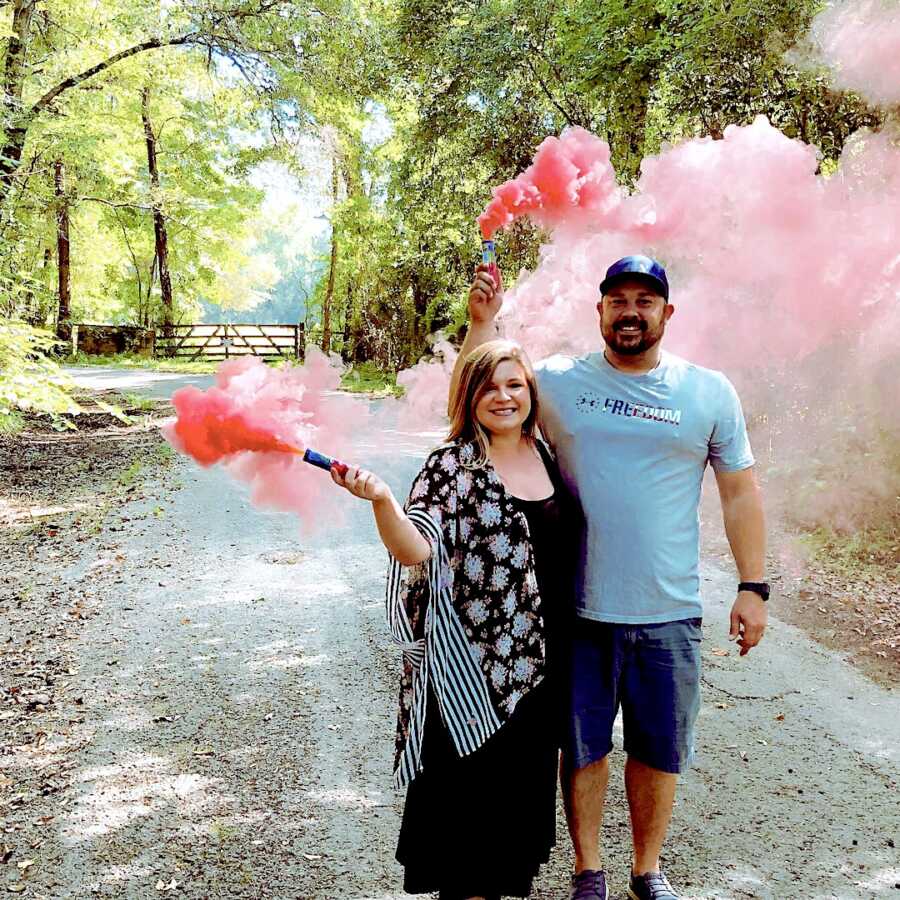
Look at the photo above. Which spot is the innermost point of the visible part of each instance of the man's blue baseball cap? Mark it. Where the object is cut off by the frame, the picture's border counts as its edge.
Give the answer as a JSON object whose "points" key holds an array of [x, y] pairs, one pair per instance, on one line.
{"points": [[640, 267]]}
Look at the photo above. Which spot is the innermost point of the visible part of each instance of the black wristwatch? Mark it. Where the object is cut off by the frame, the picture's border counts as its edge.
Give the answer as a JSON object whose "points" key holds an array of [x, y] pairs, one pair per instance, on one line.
{"points": [[758, 587]]}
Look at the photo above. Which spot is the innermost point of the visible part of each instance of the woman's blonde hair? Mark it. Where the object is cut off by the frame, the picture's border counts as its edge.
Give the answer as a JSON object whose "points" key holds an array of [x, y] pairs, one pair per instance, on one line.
{"points": [[474, 381]]}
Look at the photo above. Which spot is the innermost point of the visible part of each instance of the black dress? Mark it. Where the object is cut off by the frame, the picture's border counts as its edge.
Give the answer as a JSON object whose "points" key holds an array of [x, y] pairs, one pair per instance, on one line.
{"points": [[482, 825]]}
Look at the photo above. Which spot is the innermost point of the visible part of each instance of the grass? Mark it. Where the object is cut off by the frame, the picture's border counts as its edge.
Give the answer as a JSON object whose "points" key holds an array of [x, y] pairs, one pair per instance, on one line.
{"points": [[128, 476], [136, 401], [367, 378], [223, 831], [11, 422], [872, 549], [165, 454], [363, 378], [138, 361]]}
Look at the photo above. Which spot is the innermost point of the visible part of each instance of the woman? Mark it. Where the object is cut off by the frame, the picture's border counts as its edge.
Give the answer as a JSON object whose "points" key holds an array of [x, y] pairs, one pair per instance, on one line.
{"points": [[478, 595]]}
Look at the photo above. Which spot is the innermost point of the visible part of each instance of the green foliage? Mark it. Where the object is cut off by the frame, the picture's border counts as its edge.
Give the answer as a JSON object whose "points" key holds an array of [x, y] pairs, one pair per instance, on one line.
{"points": [[11, 422], [136, 401], [29, 379], [398, 115], [874, 548], [368, 378], [227, 86], [139, 361]]}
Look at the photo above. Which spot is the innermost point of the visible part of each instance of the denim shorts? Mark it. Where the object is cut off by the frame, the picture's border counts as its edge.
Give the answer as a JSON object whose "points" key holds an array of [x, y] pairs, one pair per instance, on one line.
{"points": [[653, 673]]}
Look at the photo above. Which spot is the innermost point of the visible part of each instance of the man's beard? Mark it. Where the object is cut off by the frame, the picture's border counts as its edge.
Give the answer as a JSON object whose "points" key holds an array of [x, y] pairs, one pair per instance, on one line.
{"points": [[649, 338]]}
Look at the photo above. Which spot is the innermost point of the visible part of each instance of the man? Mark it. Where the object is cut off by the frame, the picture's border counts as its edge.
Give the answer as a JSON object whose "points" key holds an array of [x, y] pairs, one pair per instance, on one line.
{"points": [[633, 428]]}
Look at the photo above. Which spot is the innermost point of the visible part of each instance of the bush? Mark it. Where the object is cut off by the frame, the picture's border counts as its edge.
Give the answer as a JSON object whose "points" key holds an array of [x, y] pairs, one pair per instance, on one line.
{"points": [[368, 377], [29, 379]]}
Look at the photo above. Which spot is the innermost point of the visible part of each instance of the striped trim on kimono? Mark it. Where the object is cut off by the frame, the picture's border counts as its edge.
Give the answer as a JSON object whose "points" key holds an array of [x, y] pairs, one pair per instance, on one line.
{"points": [[442, 660]]}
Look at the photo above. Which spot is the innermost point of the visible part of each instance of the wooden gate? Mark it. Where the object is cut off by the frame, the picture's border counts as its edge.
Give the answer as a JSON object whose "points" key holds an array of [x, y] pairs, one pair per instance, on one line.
{"points": [[226, 341]]}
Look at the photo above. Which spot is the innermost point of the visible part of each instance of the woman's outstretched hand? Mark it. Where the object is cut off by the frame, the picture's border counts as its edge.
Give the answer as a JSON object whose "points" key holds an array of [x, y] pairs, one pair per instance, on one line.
{"points": [[397, 532], [361, 483]]}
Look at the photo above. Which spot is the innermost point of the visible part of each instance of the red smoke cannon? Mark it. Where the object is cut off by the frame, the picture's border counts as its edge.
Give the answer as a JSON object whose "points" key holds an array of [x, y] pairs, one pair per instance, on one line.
{"points": [[489, 258], [209, 429]]}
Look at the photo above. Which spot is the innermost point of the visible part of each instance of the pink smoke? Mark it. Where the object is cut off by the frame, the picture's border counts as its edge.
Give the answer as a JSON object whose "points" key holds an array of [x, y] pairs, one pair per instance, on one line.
{"points": [[569, 173], [860, 43], [427, 384], [778, 274], [786, 279], [257, 406], [769, 260]]}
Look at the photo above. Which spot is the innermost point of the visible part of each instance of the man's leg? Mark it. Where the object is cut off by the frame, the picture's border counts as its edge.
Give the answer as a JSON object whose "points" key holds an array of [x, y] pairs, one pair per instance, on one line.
{"points": [[651, 797], [584, 795], [585, 769], [660, 703]]}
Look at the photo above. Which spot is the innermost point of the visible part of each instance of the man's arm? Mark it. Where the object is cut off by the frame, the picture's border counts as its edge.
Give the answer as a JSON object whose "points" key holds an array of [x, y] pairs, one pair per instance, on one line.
{"points": [[745, 527], [484, 304]]}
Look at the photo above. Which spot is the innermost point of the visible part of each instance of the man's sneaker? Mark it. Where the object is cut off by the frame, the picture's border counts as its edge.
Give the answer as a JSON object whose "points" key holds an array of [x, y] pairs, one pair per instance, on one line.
{"points": [[651, 886], [589, 885]]}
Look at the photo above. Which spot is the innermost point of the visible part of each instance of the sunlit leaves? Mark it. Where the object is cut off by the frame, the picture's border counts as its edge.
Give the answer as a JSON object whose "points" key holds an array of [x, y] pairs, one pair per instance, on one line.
{"points": [[29, 380]]}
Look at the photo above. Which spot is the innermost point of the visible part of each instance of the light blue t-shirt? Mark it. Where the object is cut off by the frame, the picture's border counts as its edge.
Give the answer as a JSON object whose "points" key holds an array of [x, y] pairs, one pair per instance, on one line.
{"points": [[634, 448]]}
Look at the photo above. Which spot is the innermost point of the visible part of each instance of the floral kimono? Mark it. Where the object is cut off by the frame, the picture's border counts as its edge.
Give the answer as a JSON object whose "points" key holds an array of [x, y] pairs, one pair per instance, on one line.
{"points": [[469, 617]]}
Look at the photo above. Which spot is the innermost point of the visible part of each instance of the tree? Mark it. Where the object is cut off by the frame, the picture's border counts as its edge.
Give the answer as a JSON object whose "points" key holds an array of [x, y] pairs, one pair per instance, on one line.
{"points": [[420, 106], [64, 290], [161, 255], [246, 33], [218, 70], [328, 296]]}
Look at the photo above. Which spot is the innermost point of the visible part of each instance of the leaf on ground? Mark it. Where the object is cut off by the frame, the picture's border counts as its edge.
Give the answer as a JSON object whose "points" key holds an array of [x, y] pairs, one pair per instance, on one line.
{"points": [[114, 411]]}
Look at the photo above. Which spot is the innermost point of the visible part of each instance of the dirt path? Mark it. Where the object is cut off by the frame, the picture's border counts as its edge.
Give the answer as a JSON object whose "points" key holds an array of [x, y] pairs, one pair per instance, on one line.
{"points": [[219, 721]]}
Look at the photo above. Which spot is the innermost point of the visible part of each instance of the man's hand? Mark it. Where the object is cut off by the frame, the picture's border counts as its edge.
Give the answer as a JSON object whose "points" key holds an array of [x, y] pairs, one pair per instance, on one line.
{"points": [[749, 616], [484, 298]]}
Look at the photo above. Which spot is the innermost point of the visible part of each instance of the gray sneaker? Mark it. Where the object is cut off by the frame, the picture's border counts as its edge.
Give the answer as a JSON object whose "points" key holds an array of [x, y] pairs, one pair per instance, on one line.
{"points": [[589, 885], [651, 886]]}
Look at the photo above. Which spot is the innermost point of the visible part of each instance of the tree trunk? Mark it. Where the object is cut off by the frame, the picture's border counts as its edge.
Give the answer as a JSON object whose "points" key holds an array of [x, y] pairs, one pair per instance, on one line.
{"points": [[64, 311], [346, 349], [328, 299], [631, 128], [150, 282], [632, 102], [419, 330], [159, 220], [16, 118], [36, 309]]}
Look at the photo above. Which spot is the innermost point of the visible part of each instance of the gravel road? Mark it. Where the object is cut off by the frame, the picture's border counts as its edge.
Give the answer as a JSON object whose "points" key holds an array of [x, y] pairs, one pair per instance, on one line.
{"points": [[237, 689]]}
